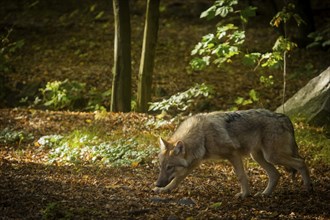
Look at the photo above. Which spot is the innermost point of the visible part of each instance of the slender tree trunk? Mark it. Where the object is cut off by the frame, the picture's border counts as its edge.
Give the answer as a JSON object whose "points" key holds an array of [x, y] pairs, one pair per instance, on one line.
{"points": [[121, 84], [148, 55]]}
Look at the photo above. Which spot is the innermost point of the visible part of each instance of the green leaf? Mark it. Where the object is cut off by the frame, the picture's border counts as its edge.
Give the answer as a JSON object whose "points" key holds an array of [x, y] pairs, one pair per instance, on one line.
{"points": [[206, 60], [237, 37], [208, 38], [251, 58], [198, 63], [271, 59], [247, 12], [247, 102], [253, 95], [99, 15], [239, 100], [283, 44], [209, 13], [223, 11], [298, 19], [226, 27], [326, 43], [197, 48], [216, 205]]}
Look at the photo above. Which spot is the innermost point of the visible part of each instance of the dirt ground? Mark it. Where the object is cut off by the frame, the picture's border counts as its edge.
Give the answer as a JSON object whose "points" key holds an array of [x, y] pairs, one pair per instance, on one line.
{"points": [[68, 41], [31, 188]]}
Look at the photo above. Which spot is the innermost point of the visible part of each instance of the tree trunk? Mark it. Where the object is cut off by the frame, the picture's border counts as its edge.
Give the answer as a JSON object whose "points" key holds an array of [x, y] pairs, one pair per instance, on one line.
{"points": [[304, 9], [121, 84], [147, 56]]}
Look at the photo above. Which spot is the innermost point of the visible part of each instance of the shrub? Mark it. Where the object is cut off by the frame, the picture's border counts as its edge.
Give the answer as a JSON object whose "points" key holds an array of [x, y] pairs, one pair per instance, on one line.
{"points": [[183, 101], [59, 95]]}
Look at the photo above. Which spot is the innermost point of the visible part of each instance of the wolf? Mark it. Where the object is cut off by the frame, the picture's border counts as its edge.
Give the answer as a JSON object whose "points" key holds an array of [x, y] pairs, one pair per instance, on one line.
{"points": [[267, 136]]}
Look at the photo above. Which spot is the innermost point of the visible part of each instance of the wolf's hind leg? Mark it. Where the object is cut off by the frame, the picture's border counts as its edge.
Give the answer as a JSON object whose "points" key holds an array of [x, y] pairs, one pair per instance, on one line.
{"points": [[237, 163], [271, 171], [297, 164]]}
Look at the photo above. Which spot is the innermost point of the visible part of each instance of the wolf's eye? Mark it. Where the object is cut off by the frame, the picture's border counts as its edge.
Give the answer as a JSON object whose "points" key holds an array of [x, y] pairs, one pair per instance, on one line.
{"points": [[169, 168]]}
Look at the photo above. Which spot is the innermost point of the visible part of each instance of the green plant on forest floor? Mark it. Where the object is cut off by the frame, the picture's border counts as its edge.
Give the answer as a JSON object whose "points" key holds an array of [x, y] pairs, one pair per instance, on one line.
{"points": [[313, 142], [320, 38], [62, 94], [86, 147], [59, 95], [10, 136], [54, 210]]}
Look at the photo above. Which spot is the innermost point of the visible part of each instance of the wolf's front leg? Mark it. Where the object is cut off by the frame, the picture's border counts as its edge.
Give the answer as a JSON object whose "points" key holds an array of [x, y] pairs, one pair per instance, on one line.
{"points": [[237, 163]]}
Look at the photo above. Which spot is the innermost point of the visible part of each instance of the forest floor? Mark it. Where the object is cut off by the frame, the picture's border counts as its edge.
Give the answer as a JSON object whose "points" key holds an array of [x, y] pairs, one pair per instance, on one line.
{"points": [[31, 187], [75, 41]]}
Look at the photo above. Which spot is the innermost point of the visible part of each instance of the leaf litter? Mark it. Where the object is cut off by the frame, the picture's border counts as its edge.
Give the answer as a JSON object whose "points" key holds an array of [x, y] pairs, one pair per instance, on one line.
{"points": [[33, 188], [30, 187]]}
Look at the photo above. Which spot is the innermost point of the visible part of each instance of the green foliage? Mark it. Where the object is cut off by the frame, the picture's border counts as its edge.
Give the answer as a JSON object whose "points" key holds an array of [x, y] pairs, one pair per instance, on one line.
{"points": [[183, 101], [54, 210], [62, 94], [83, 146], [50, 141], [240, 101], [313, 142], [270, 59], [9, 136], [223, 46], [286, 14], [283, 44], [267, 81], [250, 59], [97, 100], [216, 205], [219, 8], [67, 94], [247, 13], [99, 15], [8, 49], [321, 38], [227, 43]]}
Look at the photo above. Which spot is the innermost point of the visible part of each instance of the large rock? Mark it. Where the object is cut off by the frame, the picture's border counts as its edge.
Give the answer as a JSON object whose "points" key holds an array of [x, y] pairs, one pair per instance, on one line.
{"points": [[312, 102]]}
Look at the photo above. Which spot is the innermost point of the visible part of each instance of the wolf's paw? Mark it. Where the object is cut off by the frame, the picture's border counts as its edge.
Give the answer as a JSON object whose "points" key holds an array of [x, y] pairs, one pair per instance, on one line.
{"points": [[242, 195], [160, 190], [157, 189], [261, 194]]}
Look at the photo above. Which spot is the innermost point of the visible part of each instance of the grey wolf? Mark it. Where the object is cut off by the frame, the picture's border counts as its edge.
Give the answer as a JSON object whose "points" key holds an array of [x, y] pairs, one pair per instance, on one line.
{"points": [[268, 137]]}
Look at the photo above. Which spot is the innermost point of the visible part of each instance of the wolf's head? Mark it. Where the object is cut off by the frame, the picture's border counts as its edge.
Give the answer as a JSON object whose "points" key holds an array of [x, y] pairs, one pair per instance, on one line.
{"points": [[172, 162]]}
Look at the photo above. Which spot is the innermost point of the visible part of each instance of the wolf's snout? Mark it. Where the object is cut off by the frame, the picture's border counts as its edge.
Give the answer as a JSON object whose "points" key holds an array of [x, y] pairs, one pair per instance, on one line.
{"points": [[161, 183]]}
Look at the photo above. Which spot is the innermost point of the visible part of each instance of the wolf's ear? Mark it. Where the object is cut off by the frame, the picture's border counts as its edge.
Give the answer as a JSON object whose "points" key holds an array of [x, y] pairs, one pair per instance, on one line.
{"points": [[179, 148], [163, 144]]}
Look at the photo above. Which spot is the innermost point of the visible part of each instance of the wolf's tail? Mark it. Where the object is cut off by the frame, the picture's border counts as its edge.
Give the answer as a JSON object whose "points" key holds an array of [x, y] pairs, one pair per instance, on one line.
{"points": [[293, 173], [294, 147]]}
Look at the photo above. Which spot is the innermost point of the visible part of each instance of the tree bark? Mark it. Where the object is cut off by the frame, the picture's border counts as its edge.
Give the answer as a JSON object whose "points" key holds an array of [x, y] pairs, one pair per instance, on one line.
{"points": [[121, 84], [148, 55]]}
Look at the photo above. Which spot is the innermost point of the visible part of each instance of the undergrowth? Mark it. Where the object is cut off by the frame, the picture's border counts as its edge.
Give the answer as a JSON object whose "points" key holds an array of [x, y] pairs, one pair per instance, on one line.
{"points": [[10, 136], [313, 143], [94, 146], [88, 147]]}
